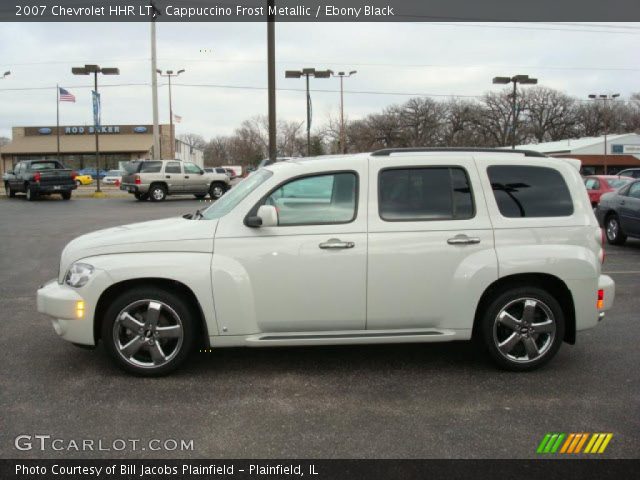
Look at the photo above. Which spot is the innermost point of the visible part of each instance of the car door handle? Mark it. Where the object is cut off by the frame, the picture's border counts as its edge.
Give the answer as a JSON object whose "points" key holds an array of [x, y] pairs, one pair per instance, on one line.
{"points": [[186, 176], [167, 176], [336, 243], [463, 240]]}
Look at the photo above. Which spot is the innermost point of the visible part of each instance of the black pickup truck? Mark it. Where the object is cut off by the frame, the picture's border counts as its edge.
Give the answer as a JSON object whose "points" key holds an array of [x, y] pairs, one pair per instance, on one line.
{"points": [[40, 177]]}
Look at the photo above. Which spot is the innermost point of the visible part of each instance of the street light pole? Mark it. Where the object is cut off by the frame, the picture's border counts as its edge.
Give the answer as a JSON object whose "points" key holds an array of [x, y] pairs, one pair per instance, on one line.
{"points": [[87, 70], [308, 72], [170, 74], [523, 80], [271, 79], [343, 144], [604, 98]]}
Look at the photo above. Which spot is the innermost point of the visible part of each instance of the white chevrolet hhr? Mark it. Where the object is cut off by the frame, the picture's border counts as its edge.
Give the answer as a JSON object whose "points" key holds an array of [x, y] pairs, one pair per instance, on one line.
{"points": [[425, 245]]}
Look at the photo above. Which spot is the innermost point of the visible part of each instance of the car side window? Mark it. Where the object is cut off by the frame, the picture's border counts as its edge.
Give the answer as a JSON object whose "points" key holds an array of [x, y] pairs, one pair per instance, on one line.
{"points": [[528, 191], [424, 193], [172, 167], [634, 190], [592, 184], [151, 167], [191, 168], [316, 200]]}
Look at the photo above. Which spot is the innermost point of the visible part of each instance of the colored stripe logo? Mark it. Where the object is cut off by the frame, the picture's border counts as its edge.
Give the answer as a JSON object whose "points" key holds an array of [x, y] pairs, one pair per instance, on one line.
{"points": [[573, 443]]}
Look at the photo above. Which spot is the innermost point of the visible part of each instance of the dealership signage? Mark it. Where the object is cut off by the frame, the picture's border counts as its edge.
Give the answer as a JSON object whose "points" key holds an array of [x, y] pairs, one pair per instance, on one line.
{"points": [[625, 149], [91, 130]]}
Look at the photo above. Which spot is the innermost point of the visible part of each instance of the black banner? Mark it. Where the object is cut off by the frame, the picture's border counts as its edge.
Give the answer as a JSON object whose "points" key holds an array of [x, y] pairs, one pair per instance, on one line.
{"points": [[320, 10], [584, 469]]}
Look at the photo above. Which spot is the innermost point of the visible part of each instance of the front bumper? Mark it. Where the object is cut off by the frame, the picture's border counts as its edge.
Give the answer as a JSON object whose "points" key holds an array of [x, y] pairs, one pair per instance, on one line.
{"points": [[61, 303]]}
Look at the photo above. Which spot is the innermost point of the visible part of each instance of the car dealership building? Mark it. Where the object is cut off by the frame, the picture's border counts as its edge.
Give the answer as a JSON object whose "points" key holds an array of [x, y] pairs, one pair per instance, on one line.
{"points": [[118, 143], [623, 151]]}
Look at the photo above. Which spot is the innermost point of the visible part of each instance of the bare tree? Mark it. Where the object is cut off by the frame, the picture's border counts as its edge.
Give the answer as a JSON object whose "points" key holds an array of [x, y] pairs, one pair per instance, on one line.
{"points": [[550, 114]]}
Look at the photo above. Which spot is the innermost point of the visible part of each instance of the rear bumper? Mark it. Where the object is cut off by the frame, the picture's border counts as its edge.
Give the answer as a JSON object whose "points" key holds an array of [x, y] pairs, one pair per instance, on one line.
{"points": [[608, 286], [52, 188], [132, 188]]}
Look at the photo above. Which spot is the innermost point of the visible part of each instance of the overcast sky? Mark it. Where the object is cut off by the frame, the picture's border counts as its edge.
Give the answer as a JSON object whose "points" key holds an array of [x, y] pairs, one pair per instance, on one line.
{"points": [[411, 58]]}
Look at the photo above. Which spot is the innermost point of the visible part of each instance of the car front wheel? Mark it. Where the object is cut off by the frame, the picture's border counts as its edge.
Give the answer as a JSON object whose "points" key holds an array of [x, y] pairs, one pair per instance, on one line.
{"points": [[217, 190], [523, 328], [149, 331], [615, 235]]}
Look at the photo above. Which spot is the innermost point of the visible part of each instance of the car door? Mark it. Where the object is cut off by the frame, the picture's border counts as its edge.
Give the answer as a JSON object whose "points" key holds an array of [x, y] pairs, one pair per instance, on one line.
{"points": [[194, 179], [14, 181], [306, 274], [593, 189], [174, 177], [431, 247], [629, 208]]}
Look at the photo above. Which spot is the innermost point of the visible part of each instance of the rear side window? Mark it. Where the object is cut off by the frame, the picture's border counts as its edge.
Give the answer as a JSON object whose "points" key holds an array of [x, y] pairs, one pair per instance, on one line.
{"points": [[418, 194], [132, 167], [524, 191], [150, 167]]}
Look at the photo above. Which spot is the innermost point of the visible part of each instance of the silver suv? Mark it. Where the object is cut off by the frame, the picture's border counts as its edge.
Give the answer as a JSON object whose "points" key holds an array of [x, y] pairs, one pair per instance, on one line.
{"points": [[155, 179]]}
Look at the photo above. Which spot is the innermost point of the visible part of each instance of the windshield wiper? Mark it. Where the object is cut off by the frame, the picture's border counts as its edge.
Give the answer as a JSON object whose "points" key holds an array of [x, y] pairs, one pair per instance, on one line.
{"points": [[198, 214]]}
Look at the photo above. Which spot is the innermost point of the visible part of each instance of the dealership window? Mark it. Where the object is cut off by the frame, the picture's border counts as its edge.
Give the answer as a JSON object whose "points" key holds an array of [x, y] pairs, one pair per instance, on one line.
{"points": [[525, 191], [316, 200], [419, 194]]}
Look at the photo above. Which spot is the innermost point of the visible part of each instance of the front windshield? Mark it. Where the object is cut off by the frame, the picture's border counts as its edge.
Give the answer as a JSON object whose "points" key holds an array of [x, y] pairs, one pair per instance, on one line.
{"points": [[234, 196]]}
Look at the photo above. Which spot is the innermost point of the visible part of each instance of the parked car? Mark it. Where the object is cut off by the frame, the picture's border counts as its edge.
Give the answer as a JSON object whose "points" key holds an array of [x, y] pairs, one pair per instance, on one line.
{"points": [[156, 179], [630, 172], [93, 172], [389, 247], [220, 170], [231, 172], [83, 179], [619, 213], [597, 185], [112, 177], [40, 177]]}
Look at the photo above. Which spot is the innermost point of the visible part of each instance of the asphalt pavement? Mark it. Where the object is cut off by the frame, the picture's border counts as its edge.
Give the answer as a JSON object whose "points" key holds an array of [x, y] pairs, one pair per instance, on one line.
{"points": [[394, 401]]}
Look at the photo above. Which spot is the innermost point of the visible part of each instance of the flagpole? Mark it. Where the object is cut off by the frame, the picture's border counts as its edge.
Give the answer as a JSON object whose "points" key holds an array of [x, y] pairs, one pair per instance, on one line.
{"points": [[58, 120]]}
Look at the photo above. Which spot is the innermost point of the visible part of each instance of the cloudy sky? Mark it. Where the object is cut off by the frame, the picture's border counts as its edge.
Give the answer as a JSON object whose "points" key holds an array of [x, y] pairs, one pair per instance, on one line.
{"points": [[393, 60]]}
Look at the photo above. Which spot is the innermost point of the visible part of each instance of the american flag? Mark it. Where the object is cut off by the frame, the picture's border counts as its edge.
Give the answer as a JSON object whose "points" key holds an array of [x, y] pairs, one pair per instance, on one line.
{"points": [[66, 96]]}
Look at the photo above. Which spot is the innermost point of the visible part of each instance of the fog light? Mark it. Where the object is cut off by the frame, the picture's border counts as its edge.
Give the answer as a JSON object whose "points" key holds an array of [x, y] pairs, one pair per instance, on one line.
{"points": [[80, 309], [600, 302]]}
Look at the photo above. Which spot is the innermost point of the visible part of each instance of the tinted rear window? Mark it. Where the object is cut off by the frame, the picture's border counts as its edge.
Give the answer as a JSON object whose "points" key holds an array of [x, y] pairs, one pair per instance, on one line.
{"points": [[45, 165], [524, 191], [132, 167], [416, 194], [150, 167]]}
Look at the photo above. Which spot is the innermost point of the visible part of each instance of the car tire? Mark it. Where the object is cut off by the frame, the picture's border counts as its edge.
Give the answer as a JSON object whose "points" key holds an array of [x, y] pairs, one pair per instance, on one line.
{"points": [[157, 193], [613, 230], [31, 194], [142, 347], [522, 328], [141, 196], [217, 189], [9, 191], [66, 195]]}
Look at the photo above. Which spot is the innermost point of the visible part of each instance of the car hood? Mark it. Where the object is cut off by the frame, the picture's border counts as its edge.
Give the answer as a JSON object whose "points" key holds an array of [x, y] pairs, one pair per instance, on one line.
{"points": [[168, 235]]}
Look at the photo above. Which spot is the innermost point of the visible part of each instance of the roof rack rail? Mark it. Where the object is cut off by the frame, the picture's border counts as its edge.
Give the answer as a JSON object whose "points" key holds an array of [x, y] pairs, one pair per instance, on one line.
{"points": [[385, 152]]}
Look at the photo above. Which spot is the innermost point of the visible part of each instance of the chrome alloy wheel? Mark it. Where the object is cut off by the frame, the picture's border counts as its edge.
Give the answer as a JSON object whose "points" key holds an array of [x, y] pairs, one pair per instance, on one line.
{"points": [[148, 333], [217, 191], [524, 330], [158, 194], [612, 228]]}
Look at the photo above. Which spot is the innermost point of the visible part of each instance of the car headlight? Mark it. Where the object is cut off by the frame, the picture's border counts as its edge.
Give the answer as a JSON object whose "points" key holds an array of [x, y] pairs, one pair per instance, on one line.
{"points": [[78, 275]]}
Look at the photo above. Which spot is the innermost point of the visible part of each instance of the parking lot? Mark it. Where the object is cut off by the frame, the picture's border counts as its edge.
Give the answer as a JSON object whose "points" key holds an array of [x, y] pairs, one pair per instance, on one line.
{"points": [[394, 401]]}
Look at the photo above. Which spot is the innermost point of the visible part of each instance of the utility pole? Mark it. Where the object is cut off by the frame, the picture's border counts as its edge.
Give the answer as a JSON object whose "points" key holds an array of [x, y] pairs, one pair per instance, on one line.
{"points": [[308, 72], [523, 80], [169, 74], [271, 80], [604, 98], [342, 75], [154, 84]]}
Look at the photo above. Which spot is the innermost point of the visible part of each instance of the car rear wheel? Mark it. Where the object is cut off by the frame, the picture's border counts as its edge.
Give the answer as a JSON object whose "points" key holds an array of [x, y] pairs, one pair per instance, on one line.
{"points": [[523, 328], [66, 195], [9, 191], [149, 331], [217, 190], [31, 195], [615, 235], [157, 193]]}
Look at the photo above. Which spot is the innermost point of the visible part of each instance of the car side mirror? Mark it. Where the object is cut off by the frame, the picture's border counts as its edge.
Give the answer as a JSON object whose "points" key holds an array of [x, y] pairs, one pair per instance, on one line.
{"points": [[267, 216], [201, 172]]}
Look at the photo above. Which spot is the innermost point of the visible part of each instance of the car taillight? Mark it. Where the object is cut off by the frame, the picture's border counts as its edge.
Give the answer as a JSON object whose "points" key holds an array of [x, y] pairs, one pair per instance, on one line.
{"points": [[137, 180], [73, 175], [600, 302], [36, 177]]}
